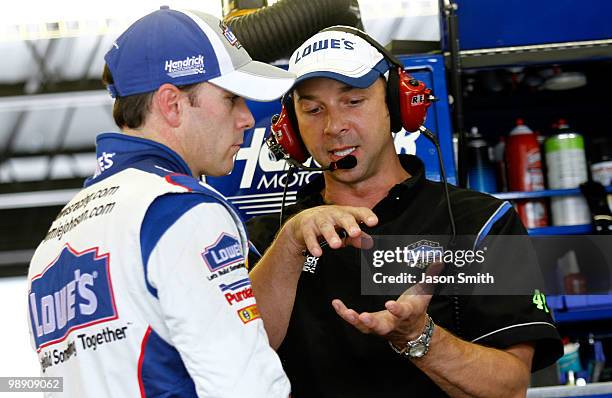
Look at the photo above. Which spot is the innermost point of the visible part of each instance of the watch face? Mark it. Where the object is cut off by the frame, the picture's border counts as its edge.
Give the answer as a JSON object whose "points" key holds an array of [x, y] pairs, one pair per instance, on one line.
{"points": [[418, 350]]}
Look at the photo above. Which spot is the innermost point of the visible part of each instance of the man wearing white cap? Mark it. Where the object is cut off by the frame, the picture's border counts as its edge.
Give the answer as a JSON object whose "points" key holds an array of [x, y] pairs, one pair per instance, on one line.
{"points": [[337, 342], [140, 288]]}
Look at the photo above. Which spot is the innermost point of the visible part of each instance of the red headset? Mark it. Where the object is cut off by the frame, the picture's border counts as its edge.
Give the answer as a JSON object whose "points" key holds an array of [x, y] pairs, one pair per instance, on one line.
{"points": [[407, 100]]}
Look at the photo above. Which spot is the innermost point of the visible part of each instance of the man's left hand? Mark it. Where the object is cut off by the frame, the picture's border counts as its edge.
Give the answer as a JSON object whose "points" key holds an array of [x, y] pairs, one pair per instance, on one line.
{"points": [[401, 321]]}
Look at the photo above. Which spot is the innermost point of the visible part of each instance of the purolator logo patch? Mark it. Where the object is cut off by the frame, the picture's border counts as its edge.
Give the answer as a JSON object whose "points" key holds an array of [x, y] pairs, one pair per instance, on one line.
{"points": [[237, 291]]}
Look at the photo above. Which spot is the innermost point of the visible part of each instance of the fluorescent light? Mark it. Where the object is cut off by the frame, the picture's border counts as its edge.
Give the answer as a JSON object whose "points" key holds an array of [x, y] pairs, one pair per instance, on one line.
{"points": [[36, 199], [37, 102], [26, 12], [35, 20]]}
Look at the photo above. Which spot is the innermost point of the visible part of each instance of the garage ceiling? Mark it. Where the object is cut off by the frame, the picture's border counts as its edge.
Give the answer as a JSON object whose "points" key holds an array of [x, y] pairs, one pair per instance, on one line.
{"points": [[52, 105]]}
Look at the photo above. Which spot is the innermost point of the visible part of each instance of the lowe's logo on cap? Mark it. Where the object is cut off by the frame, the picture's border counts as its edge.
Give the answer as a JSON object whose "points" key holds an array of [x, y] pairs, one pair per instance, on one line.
{"points": [[189, 66], [339, 55], [323, 44], [73, 292], [225, 251]]}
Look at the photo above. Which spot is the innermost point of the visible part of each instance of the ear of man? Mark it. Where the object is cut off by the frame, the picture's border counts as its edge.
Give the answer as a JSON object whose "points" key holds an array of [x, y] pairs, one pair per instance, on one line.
{"points": [[167, 102]]}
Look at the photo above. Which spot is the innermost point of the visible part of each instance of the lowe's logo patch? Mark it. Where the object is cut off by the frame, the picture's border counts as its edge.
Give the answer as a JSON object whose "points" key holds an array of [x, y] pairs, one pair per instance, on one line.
{"points": [[225, 251], [73, 292]]}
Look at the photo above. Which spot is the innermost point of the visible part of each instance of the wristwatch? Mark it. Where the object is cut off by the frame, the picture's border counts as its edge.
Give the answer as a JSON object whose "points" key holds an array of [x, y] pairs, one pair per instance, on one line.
{"points": [[420, 346]]}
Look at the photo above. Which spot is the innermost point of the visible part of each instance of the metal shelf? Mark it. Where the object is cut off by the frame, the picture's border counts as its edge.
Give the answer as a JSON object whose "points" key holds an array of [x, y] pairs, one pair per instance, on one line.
{"points": [[577, 308], [554, 230], [585, 314], [594, 390], [582, 229], [536, 54], [541, 194]]}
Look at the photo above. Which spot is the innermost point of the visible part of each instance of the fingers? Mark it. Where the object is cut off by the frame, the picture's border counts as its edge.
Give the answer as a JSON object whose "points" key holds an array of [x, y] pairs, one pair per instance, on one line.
{"points": [[345, 313], [312, 242], [350, 217], [348, 223], [395, 308], [328, 231], [402, 309], [363, 241], [347, 218], [315, 224], [380, 322], [349, 316]]}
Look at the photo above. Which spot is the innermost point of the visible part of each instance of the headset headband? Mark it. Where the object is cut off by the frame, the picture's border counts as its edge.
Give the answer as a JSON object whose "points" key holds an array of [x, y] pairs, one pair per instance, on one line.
{"points": [[354, 31]]}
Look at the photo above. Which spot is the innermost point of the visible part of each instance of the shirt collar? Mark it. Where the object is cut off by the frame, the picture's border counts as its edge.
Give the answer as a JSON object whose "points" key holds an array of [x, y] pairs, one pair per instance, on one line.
{"points": [[116, 152]]}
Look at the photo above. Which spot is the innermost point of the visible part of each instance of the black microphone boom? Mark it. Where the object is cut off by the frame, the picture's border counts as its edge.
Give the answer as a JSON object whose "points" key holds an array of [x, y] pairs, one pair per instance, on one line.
{"points": [[347, 162]]}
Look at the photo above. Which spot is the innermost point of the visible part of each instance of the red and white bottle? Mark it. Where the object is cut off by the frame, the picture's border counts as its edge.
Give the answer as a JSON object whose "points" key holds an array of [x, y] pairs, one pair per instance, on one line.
{"points": [[524, 161]]}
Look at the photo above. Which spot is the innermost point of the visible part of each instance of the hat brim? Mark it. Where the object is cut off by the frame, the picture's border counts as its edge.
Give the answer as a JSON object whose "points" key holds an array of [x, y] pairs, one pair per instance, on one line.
{"points": [[344, 72], [256, 81], [364, 81]]}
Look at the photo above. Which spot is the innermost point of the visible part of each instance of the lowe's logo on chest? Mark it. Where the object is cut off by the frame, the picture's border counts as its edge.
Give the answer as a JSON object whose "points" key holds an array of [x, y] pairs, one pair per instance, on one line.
{"points": [[73, 292], [225, 251]]}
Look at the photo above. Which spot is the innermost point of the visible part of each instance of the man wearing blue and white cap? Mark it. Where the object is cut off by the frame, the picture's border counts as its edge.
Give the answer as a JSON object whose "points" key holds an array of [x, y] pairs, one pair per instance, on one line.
{"points": [[335, 341], [140, 287]]}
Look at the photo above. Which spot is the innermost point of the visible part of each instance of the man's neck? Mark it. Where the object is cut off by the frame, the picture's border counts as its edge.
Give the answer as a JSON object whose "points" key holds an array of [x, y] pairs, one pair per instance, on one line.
{"points": [[365, 193], [162, 136]]}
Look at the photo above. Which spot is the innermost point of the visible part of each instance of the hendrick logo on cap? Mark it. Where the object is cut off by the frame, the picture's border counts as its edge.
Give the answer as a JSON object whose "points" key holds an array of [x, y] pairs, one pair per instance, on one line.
{"points": [[189, 66]]}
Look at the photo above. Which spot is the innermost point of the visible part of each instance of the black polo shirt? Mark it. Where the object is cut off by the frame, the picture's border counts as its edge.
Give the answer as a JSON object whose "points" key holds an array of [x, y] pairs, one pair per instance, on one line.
{"points": [[324, 356]]}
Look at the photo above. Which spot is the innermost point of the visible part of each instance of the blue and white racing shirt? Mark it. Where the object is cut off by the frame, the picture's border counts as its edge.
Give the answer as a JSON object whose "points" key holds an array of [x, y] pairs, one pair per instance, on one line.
{"points": [[140, 288]]}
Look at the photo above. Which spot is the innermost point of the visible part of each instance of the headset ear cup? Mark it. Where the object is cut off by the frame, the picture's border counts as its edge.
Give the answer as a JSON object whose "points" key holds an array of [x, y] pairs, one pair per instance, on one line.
{"points": [[295, 127], [290, 108], [414, 100], [286, 134], [393, 100]]}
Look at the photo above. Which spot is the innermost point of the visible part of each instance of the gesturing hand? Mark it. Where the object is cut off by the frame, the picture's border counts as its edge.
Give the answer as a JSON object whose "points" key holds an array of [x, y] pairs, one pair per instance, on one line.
{"points": [[306, 227], [402, 320]]}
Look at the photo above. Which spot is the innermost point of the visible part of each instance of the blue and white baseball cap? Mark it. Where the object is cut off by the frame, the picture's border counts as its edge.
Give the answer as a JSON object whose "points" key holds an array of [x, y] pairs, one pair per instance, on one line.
{"points": [[338, 55], [186, 47]]}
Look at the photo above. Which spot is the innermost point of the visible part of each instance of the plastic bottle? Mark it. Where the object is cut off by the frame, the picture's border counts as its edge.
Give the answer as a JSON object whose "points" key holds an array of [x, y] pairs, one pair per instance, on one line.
{"points": [[524, 166]]}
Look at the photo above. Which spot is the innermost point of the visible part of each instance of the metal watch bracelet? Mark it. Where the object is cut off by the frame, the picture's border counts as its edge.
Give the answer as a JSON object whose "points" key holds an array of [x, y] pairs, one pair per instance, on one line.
{"points": [[420, 346]]}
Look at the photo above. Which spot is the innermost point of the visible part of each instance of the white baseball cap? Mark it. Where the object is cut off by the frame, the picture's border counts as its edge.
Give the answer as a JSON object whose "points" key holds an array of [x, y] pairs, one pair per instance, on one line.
{"points": [[338, 55], [184, 47]]}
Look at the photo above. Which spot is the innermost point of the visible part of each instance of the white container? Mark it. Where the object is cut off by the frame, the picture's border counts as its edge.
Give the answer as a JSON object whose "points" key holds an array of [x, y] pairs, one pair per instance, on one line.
{"points": [[567, 168], [602, 173]]}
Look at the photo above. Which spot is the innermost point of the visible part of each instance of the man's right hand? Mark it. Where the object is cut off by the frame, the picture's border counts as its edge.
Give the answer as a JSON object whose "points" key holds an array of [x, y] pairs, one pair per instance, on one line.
{"points": [[305, 229]]}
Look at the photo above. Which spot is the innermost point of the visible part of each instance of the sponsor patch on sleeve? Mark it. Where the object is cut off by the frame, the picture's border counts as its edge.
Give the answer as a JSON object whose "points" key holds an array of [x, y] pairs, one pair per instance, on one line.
{"points": [[237, 291], [248, 314], [224, 252]]}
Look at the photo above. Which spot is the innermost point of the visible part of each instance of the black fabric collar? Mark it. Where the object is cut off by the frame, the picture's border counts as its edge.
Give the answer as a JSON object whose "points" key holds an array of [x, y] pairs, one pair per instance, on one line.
{"points": [[311, 193]]}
